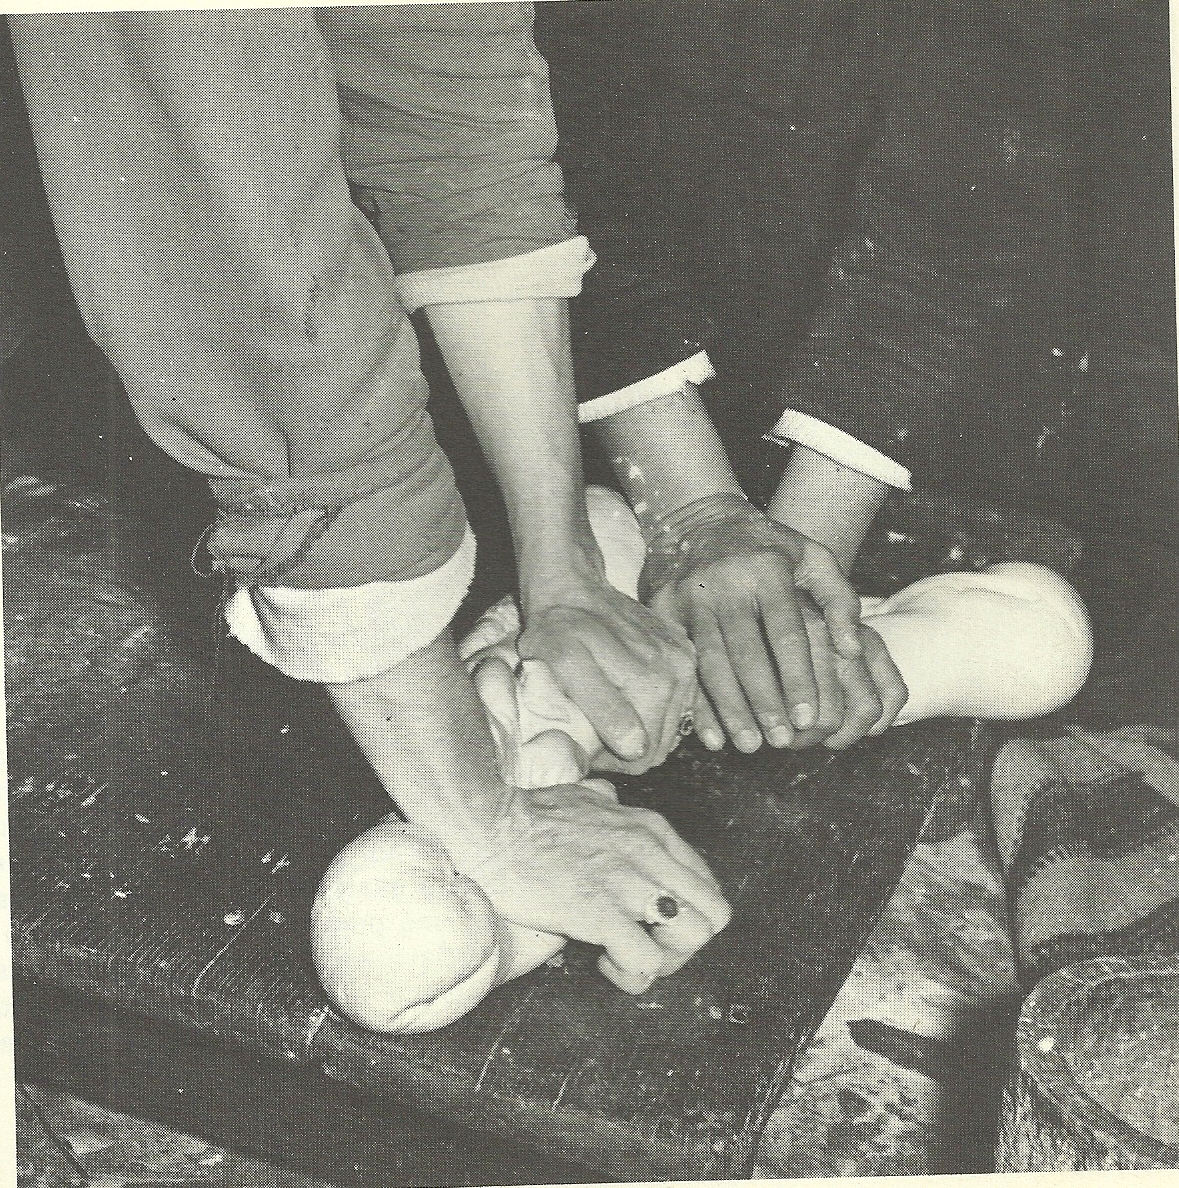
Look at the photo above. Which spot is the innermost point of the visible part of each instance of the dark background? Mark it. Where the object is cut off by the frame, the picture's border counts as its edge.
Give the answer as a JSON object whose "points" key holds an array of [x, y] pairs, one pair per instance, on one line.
{"points": [[1060, 116]]}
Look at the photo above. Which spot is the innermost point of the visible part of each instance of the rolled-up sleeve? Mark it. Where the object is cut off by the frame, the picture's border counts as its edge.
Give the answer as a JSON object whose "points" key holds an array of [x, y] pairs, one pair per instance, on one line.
{"points": [[449, 137]]}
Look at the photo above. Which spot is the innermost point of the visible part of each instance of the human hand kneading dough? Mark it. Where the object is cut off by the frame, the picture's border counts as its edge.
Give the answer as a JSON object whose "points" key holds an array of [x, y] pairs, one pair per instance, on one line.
{"points": [[404, 943], [414, 923], [1011, 642]]}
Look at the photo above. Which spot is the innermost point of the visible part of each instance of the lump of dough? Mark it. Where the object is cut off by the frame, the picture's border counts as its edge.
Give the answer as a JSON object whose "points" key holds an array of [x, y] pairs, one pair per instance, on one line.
{"points": [[401, 943], [619, 538], [1009, 643]]}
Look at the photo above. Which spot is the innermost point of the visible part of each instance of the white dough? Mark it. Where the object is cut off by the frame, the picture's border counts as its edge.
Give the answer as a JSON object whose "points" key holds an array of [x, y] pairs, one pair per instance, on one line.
{"points": [[619, 537], [401, 943], [1009, 643], [399, 940]]}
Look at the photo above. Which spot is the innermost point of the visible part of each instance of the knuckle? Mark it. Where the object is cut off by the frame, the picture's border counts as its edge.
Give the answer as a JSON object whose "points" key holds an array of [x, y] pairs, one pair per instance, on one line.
{"points": [[866, 714]]}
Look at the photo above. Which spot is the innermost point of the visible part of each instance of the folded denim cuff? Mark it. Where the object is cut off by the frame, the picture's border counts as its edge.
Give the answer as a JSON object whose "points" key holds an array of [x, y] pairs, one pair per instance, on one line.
{"points": [[346, 634], [801, 429], [548, 272], [673, 381]]}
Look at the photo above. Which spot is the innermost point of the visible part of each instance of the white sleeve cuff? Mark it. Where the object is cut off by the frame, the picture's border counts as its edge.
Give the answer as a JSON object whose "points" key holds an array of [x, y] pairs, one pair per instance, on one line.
{"points": [[672, 382], [550, 272], [801, 429], [347, 634]]}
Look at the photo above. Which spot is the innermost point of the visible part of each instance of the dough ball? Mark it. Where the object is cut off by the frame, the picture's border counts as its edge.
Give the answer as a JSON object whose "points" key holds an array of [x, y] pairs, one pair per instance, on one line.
{"points": [[401, 943], [1009, 643]]}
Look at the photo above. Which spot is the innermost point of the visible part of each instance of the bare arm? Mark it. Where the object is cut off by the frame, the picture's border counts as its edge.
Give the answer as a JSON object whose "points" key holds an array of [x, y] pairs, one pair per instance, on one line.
{"points": [[830, 503], [631, 673], [731, 577], [569, 860]]}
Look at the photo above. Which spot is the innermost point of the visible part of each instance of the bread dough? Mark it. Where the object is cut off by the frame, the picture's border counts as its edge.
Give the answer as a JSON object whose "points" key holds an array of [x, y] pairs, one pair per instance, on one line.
{"points": [[1009, 643], [399, 940]]}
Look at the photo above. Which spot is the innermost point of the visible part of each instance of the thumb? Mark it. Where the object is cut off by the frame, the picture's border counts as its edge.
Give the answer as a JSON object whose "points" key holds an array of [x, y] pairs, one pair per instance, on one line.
{"points": [[820, 576]]}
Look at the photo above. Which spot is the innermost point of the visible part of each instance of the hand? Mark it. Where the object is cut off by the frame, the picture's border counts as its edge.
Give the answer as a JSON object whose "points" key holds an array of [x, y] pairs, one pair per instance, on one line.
{"points": [[631, 672], [858, 698], [770, 666], [572, 860]]}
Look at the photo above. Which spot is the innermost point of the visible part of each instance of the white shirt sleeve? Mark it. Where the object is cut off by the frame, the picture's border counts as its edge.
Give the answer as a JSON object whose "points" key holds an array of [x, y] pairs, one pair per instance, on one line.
{"points": [[801, 429], [671, 382], [550, 272], [342, 635], [792, 427]]}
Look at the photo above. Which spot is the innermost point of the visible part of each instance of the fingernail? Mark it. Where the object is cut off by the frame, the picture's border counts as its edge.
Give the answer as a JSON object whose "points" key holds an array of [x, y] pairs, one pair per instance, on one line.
{"points": [[634, 743], [747, 740], [712, 739], [780, 736], [803, 715]]}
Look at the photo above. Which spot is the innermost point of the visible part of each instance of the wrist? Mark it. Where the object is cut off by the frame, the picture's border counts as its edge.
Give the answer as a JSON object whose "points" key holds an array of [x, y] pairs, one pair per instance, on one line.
{"points": [[680, 540], [558, 572], [471, 835]]}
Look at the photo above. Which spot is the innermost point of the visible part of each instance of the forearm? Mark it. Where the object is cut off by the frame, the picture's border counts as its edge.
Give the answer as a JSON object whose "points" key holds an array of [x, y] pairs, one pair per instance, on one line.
{"points": [[630, 673], [510, 365], [828, 502], [423, 729], [666, 454]]}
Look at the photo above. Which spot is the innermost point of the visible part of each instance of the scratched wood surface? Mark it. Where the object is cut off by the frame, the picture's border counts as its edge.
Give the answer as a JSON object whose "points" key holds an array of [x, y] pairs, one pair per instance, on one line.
{"points": [[167, 832]]}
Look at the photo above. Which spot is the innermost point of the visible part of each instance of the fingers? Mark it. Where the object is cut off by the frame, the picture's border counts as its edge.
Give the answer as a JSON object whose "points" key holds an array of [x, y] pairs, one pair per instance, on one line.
{"points": [[708, 728], [679, 704], [571, 861], [755, 663], [831, 696], [890, 685], [680, 851], [748, 684], [820, 576], [609, 711], [722, 685], [682, 871], [632, 960], [631, 674], [639, 954], [794, 653], [861, 704], [659, 933]]}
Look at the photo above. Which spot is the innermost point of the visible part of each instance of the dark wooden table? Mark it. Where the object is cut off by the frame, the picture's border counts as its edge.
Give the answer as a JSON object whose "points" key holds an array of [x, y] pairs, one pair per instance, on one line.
{"points": [[168, 831]]}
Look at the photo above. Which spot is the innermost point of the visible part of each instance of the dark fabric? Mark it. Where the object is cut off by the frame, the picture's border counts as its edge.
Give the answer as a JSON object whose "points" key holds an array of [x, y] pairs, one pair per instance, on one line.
{"points": [[877, 214], [208, 227], [448, 130]]}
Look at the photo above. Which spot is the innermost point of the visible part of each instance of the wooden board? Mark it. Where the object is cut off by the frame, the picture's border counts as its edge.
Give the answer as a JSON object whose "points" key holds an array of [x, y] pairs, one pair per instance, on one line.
{"points": [[166, 839]]}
